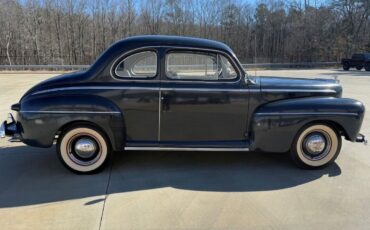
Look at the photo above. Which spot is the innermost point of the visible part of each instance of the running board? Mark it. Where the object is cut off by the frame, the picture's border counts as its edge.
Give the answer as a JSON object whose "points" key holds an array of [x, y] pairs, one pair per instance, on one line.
{"points": [[146, 148]]}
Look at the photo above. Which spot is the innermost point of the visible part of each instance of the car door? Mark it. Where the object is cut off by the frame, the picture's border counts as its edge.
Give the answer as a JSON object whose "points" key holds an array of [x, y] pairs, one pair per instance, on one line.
{"points": [[357, 60], [203, 99], [137, 76]]}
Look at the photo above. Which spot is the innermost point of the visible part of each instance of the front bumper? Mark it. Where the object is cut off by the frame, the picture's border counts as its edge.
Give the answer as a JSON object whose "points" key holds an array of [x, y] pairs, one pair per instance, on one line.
{"points": [[10, 128], [361, 138]]}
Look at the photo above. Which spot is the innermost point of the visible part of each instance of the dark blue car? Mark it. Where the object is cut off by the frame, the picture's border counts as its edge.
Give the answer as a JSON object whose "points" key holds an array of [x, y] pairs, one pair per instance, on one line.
{"points": [[187, 94]]}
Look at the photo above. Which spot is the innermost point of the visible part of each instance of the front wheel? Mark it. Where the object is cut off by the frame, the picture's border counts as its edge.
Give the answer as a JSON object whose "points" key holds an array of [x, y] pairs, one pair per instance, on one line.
{"points": [[83, 149], [316, 146], [359, 67]]}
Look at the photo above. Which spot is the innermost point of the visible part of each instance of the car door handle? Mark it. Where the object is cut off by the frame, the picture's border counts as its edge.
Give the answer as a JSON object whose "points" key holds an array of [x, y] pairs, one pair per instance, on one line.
{"points": [[165, 102]]}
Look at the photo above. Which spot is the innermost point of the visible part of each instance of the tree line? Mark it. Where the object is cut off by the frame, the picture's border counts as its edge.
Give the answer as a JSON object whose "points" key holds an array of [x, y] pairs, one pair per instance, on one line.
{"points": [[77, 31]]}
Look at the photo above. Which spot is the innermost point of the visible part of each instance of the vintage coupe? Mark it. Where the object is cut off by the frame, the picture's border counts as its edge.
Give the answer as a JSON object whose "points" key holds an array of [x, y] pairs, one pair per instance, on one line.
{"points": [[180, 93]]}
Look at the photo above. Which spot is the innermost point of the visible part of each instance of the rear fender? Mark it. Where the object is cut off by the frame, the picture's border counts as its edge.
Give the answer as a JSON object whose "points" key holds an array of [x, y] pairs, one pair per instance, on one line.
{"points": [[42, 116]]}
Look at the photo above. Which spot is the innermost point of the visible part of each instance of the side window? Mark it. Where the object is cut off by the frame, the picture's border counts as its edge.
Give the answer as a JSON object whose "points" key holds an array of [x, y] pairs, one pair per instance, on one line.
{"points": [[186, 65], [227, 70], [138, 65]]}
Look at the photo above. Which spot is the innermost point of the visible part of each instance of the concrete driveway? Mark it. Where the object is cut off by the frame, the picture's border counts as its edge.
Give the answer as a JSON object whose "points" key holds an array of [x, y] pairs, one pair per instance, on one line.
{"points": [[186, 190]]}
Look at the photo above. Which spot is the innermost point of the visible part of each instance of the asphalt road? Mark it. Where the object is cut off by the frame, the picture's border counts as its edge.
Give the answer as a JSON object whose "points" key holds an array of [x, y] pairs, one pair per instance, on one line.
{"points": [[186, 190]]}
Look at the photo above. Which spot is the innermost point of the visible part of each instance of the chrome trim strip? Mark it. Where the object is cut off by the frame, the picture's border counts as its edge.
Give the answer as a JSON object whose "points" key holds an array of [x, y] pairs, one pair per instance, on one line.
{"points": [[205, 89], [308, 113], [95, 88], [183, 89], [78, 112], [250, 90], [300, 90], [254, 90], [185, 149], [139, 88]]}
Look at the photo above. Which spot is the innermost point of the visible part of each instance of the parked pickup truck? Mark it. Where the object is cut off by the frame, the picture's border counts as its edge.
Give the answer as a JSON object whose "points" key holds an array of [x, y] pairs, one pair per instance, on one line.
{"points": [[358, 61]]}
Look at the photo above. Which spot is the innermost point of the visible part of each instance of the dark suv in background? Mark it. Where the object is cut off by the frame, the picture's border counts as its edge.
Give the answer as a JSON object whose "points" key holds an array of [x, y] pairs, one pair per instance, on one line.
{"points": [[358, 60]]}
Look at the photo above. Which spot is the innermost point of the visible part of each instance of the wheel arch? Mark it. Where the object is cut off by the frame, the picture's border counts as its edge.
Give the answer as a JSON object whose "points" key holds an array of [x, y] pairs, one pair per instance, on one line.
{"points": [[114, 131], [77, 123], [332, 124]]}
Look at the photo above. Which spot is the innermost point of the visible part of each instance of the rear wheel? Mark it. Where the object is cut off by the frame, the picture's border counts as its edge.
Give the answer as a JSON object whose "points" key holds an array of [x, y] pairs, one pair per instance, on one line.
{"points": [[367, 68], [359, 67], [316, 146], [346, 66], [83, 149]]}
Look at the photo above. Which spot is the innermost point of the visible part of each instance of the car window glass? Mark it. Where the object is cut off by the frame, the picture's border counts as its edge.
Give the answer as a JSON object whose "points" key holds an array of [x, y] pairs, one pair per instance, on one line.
{"points": [[227, 70], [198, 66], [138, 65]]}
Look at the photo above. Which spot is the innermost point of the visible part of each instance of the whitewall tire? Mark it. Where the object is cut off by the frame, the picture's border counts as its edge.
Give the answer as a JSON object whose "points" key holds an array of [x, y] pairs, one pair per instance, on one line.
{"points": [[315, 146], [83, 149]]}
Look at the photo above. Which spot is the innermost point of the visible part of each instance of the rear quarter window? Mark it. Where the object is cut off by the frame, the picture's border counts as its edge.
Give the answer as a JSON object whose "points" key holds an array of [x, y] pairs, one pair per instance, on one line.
{"points": [[138, 65]]}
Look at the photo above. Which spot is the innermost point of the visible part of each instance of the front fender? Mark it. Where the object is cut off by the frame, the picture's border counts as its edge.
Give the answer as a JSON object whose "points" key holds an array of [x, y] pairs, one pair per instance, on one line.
{"points": [[275, 124], [42, 116]]}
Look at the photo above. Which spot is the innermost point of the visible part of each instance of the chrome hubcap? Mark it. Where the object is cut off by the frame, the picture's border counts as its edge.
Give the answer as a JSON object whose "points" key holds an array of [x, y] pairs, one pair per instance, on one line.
{"points": [[315, 143], [85, 148]]}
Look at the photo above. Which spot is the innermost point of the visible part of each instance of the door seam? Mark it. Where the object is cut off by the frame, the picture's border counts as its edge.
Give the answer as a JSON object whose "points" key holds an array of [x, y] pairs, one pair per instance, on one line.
{"points": [[159, 113]]}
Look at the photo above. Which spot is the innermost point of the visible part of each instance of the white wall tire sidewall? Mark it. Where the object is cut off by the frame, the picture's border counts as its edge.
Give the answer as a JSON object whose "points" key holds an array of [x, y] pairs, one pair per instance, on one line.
{"points": [[332, 152], [81, 168]]}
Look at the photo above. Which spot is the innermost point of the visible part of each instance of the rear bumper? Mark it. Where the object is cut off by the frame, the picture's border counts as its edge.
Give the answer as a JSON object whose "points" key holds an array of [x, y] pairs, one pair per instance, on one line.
{"points": [[2, 130]]}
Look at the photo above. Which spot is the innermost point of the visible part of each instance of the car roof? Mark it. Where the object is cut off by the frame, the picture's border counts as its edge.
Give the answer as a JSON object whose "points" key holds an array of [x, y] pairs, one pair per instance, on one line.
{"points": [[165, 40], [136, 42]]}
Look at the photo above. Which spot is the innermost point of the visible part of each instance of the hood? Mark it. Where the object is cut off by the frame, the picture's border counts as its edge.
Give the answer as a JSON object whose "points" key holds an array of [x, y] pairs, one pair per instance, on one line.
{"points": [[60, 81], [276, 88]]}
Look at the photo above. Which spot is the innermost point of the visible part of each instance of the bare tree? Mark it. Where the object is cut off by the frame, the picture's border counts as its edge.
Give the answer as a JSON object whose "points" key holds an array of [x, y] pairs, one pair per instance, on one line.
{"points": [[77, 31]]}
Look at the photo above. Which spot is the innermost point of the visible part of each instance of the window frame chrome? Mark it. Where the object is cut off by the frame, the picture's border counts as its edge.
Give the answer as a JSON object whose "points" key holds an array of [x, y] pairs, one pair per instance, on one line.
{"points": [[201, 50], [231, 57], [204, 53]]}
